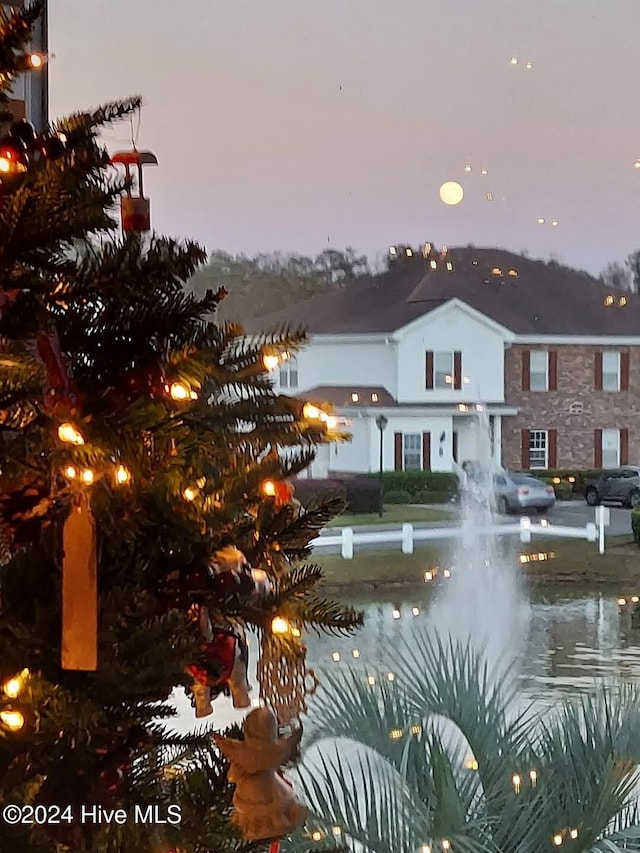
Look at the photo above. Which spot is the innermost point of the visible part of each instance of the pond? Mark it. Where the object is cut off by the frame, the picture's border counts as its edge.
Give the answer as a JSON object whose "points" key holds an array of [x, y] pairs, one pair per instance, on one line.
{"points": [[571, 638]]}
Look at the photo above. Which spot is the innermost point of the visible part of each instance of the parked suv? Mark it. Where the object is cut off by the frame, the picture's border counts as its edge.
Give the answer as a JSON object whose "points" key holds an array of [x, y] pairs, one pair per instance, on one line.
{"points": [[618, 485]]}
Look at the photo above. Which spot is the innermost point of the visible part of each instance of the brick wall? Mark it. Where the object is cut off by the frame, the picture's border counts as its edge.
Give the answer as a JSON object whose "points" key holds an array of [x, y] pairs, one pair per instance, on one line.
{"points": [[550, 409]]}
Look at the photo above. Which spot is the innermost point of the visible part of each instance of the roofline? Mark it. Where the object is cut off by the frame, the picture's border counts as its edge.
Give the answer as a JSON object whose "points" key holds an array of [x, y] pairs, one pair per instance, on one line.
{"points": [[580, 340], [456, 303], [352, 338]]}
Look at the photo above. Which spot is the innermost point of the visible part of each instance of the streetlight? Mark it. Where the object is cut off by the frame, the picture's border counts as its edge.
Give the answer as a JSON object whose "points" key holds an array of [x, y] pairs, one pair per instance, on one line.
{"points": [[381, 423]]}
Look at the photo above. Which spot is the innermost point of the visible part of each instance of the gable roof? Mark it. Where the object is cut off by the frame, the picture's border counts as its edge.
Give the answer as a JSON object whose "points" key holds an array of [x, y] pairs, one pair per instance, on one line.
{"points": [[543, 299]]}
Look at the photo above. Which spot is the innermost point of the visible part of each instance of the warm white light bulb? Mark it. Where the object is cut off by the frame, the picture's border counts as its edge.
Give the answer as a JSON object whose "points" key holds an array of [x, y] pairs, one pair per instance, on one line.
{"points": [[123, 475], [13, 720], [280, 625], [70, 472], [13, 687], [68, 433], [36, 61], [179, 391], [87, 476], [189, 494], [335, 657], [270, 362]]}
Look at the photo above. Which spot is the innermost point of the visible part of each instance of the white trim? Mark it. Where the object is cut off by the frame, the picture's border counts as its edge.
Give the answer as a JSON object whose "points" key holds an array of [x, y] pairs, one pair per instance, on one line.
{"points": [[352, 338], [448, 306], [544, 432], [418, 412], [579, 340]]}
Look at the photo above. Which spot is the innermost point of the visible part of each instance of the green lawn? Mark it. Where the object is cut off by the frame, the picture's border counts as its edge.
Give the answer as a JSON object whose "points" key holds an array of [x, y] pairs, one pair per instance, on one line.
{"points": [[393, 514], [574, 562]]}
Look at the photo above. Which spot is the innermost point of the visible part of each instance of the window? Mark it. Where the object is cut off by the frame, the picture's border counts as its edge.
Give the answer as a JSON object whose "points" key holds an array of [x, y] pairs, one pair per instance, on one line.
{"points": [[412, 452], [289, 373], [539, 370], [538, 448], [610, 371], [443, 369], [610, 446]]}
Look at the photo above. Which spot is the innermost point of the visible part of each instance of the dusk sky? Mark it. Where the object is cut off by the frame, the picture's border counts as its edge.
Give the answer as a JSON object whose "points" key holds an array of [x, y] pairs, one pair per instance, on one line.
{"points": [[293, 125]]}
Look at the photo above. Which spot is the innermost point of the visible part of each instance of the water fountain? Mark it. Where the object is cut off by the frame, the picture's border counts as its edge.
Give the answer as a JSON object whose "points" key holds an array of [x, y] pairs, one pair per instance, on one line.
{"points": [[482, 604]]}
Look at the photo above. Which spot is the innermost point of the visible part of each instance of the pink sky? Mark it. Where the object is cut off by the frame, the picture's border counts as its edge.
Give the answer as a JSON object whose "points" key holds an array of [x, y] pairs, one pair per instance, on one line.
{"points": [[294, 124]]}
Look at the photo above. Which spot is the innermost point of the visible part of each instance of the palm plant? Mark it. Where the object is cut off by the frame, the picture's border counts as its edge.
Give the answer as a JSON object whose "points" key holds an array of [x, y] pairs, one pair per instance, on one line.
{"points": [[444, 757]]}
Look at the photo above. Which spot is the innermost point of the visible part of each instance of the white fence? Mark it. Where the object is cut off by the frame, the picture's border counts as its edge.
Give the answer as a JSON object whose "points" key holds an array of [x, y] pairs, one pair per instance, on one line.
{"points": [[407, 536]]}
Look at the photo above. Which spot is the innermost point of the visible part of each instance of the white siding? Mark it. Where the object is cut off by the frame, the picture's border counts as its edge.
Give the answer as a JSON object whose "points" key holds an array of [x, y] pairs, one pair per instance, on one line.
{"points": [[452, 328], [354, 456], [346, 364]]}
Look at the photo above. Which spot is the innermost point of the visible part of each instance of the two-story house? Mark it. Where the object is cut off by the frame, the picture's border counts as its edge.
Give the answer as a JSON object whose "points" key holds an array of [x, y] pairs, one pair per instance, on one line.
{"points": [[548, 352]]}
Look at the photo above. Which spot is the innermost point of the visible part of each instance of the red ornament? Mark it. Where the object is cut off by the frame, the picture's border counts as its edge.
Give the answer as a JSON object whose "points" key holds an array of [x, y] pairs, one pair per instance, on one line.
{"points": [[59, 392], [135, 209], [222, 667]]}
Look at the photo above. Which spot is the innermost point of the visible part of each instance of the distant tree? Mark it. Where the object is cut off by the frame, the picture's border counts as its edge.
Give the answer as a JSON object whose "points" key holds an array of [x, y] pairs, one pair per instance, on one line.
{"points": [[265, 283], [633, 264], [619, 276]]}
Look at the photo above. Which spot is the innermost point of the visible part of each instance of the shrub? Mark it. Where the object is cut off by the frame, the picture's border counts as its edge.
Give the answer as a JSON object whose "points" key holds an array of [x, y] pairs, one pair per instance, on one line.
{"points": [[414, 482], [635, 525], [574, 478], [563, 491], [397, 496], [428, 497], [362, 492], [306, 490]]}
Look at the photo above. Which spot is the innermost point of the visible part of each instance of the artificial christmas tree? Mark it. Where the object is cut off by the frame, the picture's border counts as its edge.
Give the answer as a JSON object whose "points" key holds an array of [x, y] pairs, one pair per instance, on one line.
{"points": [[138, 540]]}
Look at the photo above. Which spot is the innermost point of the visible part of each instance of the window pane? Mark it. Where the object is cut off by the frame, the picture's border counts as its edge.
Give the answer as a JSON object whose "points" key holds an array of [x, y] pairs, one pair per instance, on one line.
{"points": [[538, 361], [443, 369], [610, 448], [610, 362], [293, 377], [538, 381], [412, 462], [412, 443], [538, 448], [609, 457]]}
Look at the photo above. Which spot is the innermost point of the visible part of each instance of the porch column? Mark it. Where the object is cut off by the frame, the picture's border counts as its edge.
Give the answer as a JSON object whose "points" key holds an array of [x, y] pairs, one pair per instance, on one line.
{"points": [[497, 439]]}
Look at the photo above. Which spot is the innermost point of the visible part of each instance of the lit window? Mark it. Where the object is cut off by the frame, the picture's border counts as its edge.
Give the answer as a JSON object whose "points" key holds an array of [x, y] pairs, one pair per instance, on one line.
{"points": [[538, 448], [539, 370], [289, 373], [354, 398], [374, 398], [610, 371], [412, 452], [610, 448]]}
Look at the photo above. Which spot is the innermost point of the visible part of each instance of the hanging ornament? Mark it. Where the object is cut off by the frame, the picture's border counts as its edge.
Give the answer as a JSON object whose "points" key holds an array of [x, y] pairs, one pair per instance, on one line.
{"points": [[280, 490], [265, 804], [80, 589], [135, 209], [222, 669], [59, 393], [14, 161], [283, 676], [231, 574]]}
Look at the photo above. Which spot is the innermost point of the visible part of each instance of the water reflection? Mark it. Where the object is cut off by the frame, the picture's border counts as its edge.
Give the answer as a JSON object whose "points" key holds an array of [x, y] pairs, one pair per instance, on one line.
{"points": [[572, 639]]}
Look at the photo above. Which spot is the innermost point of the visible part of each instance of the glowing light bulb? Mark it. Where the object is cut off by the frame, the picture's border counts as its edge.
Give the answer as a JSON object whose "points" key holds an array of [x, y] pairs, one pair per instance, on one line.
{"points": [[396, 613], [635, 599], [468, 167], [316, 835], [371, 680], [447, 573], [426, 848], [355, 653], [336, 657], [415, 611], [5, 165], [336, 830], [622, 602], [270, 362], [13, 720], [189, 494], [259, 575], [395, 734], [87, 476], [13, 687], [541, 220], [471, 764], [311, 412], [514, 60], [295, 632], [36, 61], [391, 676], [68, 433], [416, 729], [332, 422], [446, 844], [529, 66], [555, 223], [573, 833], [123, 475], [557, 839], [70, 472], [428, 576], [533, 778], [269, 488], [484, 171], [516, 781], [179, 391], [280, 625]]}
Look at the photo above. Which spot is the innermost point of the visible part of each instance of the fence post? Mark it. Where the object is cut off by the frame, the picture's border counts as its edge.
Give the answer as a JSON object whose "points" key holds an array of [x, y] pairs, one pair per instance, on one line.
{"points": [[601, 519], [592, 532], [407, 538], [525, 530], [347, 543]]}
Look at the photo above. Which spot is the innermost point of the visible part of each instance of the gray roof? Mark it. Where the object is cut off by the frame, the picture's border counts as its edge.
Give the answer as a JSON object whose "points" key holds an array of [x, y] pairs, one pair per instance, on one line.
{"points": [[543, 299]]}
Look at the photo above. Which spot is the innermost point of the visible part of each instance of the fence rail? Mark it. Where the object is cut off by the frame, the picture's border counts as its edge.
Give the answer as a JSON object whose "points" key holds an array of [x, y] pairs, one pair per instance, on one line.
{"points": [[407, 536]]}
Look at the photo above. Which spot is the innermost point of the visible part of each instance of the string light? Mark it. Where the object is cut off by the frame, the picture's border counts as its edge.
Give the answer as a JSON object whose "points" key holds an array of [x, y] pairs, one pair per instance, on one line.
{"points": [[270, 362], [396, 613], [13, 720], [391, 676], [87, 476], [70, 472], [415, 611], [36, 61], [295, 632], [447, 573], [336, 830], [269, 489], [316, 835], [123, 475], [395, 734], [13, 687], [416, 729], [426, 848], [428, 576], [69, 434], [516, 781], [311, 412], [355, 653], [336, 657], [557, 839], [371, 680], [446, 844], [189, 494], [471, 764], [533, 778], [280, 625], [622, 602], [573, 833], [635, 599]]}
